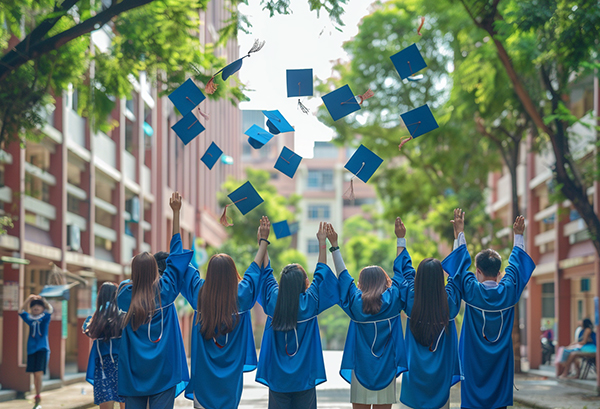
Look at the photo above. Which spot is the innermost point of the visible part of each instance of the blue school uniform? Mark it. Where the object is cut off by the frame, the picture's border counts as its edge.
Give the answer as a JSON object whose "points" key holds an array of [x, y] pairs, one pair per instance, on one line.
{"points": [[152, 359], [100, 349], [431, 370], [374, 347], [218, 364], [293, 361], [38, 331], [485, 348]]}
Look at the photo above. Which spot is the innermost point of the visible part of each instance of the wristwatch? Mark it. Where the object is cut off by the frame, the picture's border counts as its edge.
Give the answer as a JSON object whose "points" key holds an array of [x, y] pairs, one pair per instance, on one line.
{"points": [[332, 249]]}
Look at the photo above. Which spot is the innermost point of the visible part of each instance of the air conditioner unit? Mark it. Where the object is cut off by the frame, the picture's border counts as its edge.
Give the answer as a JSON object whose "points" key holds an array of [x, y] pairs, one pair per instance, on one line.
{"points": [[133, 207], [73, 237]]}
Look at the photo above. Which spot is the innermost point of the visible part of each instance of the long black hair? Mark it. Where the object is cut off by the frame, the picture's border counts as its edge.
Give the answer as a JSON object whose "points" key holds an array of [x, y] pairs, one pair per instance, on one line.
{"points": [[587, 323], [373, 281], [430, 312], [106, 321], [291, 285]]}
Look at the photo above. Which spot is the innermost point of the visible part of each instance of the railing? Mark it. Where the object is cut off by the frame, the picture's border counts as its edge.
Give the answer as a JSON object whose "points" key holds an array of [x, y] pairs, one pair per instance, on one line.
{"points": [[129, 166], [105, 149], [76, 128], [39, 207]]}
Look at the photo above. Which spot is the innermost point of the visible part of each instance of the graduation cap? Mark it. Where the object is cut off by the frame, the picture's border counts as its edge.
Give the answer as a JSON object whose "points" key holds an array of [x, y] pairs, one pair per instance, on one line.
{"points": [[419, 121], [281, 229], [188, 127], [408, 62], [300, 84], [363, 164], [212, 155], [277, 123], [258, 137], [187, 97], [288, 162], [232, 68], [342, 101], [245, 198]]}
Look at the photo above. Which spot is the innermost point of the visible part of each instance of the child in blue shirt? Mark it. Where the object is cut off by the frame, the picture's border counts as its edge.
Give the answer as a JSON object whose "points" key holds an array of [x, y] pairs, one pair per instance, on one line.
{"points": [[38, 350]]}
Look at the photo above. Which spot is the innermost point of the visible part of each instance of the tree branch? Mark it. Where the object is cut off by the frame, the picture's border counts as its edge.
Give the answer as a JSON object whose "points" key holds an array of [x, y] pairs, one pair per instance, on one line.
{"points": [[7, 65]]}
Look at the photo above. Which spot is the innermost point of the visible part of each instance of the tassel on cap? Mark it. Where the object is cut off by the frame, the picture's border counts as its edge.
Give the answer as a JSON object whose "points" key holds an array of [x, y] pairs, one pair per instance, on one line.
{"points": [[349, 194], [403, 142], [205, 116], [302, 107], [224, 221], [210, 87], [421, 26], [366, 95]]}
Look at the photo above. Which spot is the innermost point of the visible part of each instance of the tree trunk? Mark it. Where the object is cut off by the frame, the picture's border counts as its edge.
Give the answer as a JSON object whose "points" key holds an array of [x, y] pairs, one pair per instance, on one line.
{"points": [[516, 331]]}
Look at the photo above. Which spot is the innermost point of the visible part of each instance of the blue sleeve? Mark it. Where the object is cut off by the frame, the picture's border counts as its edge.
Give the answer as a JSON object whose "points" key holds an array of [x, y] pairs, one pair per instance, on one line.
{"points": [[25, 317], [404, 272], [519, 270], [268, 290], [191, 283], [176, 246], [454, 297], [324, 288], [456, 265], [348, 292], [248, 288], [47, 316], [171, 279]]}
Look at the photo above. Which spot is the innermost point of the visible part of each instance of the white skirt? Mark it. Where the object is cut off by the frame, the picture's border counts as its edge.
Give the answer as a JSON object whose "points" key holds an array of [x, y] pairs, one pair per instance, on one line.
{"points": [[360, 394]]}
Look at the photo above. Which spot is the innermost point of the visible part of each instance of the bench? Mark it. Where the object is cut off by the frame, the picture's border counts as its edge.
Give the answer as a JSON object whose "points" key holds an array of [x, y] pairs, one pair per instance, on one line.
{"points": [[588, 361]]}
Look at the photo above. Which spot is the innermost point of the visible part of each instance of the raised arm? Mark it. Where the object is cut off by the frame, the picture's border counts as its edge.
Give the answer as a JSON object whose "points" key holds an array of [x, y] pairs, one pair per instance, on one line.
{"points": [[519, 229], [459, 228], [175, 203], [263, 234], [338, 261], [26, 302], [404, 272], [322, 237], [400, 231], [520, 265], [49, 308]]}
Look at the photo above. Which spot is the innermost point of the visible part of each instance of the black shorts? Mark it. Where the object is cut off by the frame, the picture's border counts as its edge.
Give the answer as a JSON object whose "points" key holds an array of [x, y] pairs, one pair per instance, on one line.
{"points": [[293, 400], [38, 361]]}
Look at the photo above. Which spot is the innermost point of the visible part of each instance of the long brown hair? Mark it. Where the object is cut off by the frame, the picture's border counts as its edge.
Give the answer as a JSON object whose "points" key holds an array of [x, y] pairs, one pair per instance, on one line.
{"points": [[144, 290], [106, 321], [217, 298], [430, 313], [373, 281]]}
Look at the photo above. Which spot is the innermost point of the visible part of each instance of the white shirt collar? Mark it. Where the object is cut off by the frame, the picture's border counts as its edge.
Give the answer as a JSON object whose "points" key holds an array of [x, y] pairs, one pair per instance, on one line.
{"points": [[490, 284]]}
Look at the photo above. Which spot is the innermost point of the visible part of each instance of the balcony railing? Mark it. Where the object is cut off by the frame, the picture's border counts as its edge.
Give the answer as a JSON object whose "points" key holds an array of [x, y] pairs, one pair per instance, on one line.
{"points": [[39, 207], [76, 128], [105, 149], [129, 166]]}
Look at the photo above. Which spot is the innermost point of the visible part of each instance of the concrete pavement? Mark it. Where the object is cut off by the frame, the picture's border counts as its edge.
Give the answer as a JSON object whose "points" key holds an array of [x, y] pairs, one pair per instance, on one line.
{"points": [[534, 391]]}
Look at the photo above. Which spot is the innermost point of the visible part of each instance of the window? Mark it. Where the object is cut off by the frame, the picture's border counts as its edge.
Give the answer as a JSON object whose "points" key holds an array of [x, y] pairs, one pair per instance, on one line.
{"points": [[360, 201], [548, 300], [318, 212], [325, 150], [320, 179], [72, 204], [246, 150], [312, 246], [274, 175]]}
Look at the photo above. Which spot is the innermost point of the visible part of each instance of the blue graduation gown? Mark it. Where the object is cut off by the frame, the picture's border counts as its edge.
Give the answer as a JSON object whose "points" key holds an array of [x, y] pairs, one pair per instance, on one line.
{"points": [[217, 372], [486, 349], [430, 374], [38, 331], [301, 367], [100, 349], [374, 347], [148, 363]]}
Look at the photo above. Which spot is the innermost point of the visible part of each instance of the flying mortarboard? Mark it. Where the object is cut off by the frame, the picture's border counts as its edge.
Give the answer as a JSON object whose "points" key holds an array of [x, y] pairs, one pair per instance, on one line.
{"points": [[300, 84], [232, 68], [408, 62], [188, 127], [257, 137], [277, 123], [288, 162], [342, 102], [363, 164], [212, 155], [419, 121], [245, 198], [187, 97], [281, 229]]}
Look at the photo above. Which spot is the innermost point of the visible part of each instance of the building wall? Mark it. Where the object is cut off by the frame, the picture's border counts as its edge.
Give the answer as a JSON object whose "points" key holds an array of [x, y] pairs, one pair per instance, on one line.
{"points": [[556, 236], [99, 183]]}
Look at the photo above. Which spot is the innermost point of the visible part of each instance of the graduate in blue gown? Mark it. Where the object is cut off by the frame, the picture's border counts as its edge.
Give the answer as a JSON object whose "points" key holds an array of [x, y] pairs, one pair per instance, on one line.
{"points": [[374, 354], [222, 338], [291, 357], [104, 327], [152, 363], [431, 340], [485, 347]]}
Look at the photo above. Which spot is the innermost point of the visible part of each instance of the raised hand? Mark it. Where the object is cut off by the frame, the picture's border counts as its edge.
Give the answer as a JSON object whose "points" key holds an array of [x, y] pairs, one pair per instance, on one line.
{"points": [[264, 229], [400, 229], [458, 222], [175, 202], [519, 226], [322, 234], [332, 235]]}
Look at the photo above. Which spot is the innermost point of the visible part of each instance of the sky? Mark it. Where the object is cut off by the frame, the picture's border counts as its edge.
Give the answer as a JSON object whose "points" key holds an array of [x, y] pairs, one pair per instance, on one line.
{"points": [[295, 41]]}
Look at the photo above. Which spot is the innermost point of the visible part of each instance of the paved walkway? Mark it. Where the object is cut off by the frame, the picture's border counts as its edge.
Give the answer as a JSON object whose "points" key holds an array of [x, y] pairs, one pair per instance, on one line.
{"points": [[534, 392]]}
